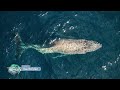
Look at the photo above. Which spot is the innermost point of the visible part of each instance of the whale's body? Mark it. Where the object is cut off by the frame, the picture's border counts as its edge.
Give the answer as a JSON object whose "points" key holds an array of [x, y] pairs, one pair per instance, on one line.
{"points": [[64, 46], [69, 46]]}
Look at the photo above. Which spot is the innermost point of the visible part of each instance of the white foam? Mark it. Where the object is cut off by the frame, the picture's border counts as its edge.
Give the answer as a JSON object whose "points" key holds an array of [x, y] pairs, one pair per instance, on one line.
{"points": [[66, 72], [104, 67], [71, 27], [109, 63], [76, 15]]}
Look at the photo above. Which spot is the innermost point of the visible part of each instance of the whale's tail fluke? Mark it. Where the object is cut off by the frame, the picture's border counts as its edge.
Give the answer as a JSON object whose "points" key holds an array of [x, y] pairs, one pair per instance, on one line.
{"points": [[19, 46]]}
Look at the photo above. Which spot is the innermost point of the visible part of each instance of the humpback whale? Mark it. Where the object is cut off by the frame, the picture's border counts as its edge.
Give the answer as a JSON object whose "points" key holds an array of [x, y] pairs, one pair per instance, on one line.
{"points": [[62, 46]]}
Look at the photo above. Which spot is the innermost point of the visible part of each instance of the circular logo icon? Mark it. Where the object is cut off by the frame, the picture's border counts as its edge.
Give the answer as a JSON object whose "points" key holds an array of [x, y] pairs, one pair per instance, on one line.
{"points": [[14, 69]]}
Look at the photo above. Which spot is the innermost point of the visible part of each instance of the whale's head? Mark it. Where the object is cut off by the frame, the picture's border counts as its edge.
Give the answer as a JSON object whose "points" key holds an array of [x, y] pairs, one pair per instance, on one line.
{"points": [[93, 46]]}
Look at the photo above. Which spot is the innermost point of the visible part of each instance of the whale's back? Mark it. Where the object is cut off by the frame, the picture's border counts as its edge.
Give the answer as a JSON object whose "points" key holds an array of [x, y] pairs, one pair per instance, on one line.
{"points": [[75, 46]]}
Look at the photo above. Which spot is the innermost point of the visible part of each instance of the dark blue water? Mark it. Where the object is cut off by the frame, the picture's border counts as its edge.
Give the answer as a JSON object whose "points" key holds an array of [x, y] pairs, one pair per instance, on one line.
{"points": [[41, 27]]}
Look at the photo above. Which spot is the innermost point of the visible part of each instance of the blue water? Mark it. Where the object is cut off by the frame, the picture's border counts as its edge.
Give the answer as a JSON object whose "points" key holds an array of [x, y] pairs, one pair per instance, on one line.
{"points": [[40, 27]]}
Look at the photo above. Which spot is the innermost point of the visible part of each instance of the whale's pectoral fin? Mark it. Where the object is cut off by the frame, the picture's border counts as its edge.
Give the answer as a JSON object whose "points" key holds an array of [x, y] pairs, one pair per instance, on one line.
{"points": [[59, 56]]}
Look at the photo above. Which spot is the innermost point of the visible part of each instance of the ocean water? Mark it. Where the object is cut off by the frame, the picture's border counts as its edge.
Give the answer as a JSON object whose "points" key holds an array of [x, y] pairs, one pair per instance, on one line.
{"points": [[41, 27]]}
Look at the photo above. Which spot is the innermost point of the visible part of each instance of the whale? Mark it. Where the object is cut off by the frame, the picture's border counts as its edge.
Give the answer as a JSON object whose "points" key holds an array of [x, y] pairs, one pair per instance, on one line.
{"points": [[61, 46]]}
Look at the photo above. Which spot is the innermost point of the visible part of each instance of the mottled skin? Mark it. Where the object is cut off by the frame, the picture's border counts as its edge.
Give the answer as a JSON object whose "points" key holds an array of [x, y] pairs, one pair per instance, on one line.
{"points": [[70, 46]]}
